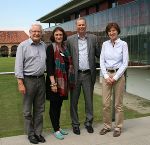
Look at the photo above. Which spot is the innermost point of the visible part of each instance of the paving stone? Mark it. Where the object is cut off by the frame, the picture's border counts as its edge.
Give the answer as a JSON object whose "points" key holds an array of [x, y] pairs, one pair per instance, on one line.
{"points": [[135, 132]]}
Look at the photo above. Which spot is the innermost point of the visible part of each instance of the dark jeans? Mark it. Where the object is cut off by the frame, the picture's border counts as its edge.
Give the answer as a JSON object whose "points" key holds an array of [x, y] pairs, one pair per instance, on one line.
{"points": [[54, 113]]}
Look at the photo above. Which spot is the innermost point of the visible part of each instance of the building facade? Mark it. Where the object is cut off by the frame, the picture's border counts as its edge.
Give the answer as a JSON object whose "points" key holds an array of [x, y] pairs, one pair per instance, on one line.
{"points": [[9, 41], [133, 16]]}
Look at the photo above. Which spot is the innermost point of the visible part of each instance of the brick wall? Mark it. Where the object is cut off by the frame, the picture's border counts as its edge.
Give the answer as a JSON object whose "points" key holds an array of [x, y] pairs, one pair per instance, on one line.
{"points": [[83, 13], [103, 6], [92, 9]]}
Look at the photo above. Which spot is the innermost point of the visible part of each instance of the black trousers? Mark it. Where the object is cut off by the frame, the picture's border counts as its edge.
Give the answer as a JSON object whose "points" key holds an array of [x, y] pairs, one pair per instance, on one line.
{"points": [[54, 113]]}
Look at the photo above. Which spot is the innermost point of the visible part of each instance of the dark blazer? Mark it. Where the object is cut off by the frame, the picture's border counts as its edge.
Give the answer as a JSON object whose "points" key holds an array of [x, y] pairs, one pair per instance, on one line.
{"points": [[93, 50]]}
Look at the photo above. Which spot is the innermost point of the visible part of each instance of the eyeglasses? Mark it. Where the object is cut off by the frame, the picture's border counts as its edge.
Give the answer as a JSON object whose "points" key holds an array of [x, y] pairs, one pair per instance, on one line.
{"points": [[36, 31]]}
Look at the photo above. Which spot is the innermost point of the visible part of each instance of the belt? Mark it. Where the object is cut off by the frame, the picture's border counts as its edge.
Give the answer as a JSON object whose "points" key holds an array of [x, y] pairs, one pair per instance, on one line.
{"points": [[84, 71], [112, 70], [30, 76]]}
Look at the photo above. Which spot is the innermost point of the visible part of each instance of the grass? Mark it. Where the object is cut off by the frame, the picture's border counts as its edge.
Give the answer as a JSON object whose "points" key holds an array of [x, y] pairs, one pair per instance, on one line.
{"points": [[7, 64], [145, 103], [11, 117]]}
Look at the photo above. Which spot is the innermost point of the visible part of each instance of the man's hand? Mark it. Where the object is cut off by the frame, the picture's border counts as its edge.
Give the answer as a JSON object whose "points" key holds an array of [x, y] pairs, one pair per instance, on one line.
{"points": [[21, 88]]}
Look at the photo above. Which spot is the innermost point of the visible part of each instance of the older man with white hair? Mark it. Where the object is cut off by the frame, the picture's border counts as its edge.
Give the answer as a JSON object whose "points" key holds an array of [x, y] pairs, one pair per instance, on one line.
{"points": [[29, 69]]}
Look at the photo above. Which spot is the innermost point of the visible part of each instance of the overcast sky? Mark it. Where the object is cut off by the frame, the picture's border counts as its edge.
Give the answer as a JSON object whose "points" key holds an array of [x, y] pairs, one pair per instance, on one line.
{"points": [[20, 14]]}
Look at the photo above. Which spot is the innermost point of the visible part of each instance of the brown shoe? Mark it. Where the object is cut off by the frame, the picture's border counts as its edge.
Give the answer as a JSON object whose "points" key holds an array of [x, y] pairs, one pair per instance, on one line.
{"points": [[117, 132], [104, 131]]}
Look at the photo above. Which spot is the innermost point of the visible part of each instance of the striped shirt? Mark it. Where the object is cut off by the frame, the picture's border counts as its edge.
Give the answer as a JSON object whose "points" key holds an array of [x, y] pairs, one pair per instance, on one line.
{"points": [[30, 59]]}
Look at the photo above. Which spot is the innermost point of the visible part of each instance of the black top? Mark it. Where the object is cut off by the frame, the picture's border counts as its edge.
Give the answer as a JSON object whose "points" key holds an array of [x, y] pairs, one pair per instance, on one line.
{"points": [[50, 65]]}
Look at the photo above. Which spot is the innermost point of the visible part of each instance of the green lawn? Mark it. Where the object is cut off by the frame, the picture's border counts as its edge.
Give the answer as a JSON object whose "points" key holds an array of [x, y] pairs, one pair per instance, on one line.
{"points": [[11, 118], [7, 64]]}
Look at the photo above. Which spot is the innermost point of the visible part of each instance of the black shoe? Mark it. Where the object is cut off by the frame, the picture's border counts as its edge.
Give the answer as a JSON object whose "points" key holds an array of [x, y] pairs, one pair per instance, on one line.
{"points": [[89, 129], [40, 138], [32, 139], [76, 130]]}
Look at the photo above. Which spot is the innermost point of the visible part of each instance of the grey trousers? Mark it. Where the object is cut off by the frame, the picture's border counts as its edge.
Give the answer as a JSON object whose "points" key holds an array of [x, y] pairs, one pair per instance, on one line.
{"points": [[34, 105], [85, 82]]}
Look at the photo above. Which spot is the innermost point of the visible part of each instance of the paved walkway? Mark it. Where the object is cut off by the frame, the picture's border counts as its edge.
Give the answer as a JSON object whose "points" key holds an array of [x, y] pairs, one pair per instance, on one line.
{"points": [[135, 132], [138, 82]]}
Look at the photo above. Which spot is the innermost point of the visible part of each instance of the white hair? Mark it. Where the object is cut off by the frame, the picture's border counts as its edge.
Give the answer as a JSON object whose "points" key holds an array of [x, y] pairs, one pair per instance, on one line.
{"points": [[36, 24]]}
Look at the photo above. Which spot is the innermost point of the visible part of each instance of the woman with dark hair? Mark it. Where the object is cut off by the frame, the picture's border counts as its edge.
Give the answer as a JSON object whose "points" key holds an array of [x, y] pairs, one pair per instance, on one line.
{"points": [[60, 77], [113, 63]]}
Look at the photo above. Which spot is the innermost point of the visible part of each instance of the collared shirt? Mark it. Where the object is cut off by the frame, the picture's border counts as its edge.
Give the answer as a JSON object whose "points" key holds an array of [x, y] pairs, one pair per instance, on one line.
{"points": [[83, 53], [30, 59], [114, 57]]}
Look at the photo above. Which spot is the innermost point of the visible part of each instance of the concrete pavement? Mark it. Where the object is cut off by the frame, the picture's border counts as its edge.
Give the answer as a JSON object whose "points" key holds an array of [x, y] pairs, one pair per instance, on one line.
{"points": [[135, 132], [131, 101], [138, 82]]}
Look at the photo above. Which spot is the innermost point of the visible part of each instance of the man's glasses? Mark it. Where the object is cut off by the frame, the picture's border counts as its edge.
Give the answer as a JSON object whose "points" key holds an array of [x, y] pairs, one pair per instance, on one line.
{"points": [[36, 31]]}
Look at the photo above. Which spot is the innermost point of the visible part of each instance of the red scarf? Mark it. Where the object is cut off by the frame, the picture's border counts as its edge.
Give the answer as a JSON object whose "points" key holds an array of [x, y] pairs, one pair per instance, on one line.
{"points": [[61, 72]]}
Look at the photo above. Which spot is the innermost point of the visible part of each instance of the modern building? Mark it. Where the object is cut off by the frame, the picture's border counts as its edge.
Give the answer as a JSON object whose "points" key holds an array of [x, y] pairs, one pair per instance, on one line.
{"points": [[133, 16], [9, 41]]}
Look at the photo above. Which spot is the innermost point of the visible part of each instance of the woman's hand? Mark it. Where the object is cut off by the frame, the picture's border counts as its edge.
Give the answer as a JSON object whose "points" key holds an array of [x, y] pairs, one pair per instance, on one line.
{"points": [[113, 80], [54, 88], [110, 80]]}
